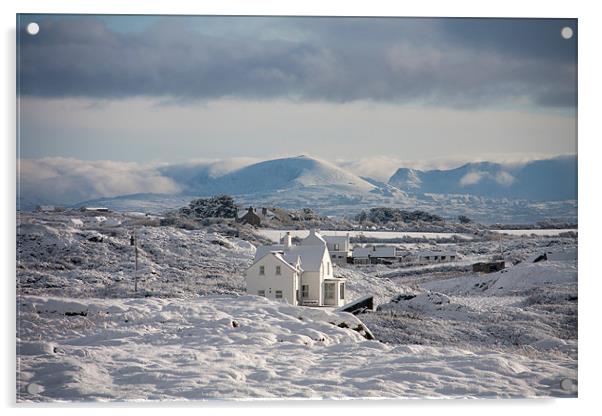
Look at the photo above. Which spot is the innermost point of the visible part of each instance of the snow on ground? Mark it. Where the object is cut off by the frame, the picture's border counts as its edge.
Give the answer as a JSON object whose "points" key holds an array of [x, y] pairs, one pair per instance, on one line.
{"points": [[83, 334], [276, 235], [217, 347], [530, 308], [360, 284], [523, 276], [55, 258]]}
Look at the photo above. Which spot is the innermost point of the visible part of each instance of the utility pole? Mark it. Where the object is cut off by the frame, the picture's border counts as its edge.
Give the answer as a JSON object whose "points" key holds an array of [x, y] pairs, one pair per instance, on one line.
{"points": [[501, 248], [134, 242]]}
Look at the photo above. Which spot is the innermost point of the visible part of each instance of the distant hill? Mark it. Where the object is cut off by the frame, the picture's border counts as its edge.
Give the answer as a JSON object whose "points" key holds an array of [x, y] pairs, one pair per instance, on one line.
{"points": [[274, 175], [487, 192], [540, 180]]}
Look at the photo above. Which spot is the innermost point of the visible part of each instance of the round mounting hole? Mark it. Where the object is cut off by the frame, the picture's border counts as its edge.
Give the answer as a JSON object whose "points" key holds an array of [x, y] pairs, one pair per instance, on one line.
{"points": [[34, 388], [33, 28], [567, 384], [566, 32]]}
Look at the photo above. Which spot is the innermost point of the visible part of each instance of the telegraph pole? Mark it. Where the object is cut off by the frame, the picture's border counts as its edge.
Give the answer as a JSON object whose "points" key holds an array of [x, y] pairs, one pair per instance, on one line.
{"points": [[134, 242], [501, 248]]}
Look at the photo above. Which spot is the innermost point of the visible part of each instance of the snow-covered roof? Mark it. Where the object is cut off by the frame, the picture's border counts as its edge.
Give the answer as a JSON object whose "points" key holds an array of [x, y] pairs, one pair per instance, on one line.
{"points": [[314, 238], [263, 250], [375, 251], [76, 222], [290, 265], [311, 256], [435, 253], [336, 238]]}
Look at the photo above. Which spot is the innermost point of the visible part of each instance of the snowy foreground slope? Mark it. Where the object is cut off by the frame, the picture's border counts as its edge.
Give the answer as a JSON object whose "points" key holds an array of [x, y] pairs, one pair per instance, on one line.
{"points": [[246, 347]]}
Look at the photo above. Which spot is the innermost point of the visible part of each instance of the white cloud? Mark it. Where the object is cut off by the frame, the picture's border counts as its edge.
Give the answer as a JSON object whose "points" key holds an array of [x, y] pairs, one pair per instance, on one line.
{"points": [[380, 168], [224, 166], [65, 181], [504, 179], [472, 178]]}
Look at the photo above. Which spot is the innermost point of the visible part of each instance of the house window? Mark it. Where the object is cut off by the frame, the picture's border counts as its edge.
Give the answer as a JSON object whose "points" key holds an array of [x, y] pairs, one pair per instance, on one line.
{"points": [[304, 291], [261, 293], [336, 247], [342, 291], [278, 271], [442, 257], [329, 290], [262, 270], [279, 294]]}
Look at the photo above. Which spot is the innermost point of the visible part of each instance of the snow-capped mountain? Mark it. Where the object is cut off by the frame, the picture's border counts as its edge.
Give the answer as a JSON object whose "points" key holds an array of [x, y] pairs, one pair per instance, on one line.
{"points": [[487, 192], [541, 180], [275, 175]]}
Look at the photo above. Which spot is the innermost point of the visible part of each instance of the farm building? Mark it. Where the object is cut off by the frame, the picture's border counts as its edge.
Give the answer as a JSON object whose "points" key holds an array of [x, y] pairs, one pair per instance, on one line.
{"points": [[339, 248], [435, 256], [376, 254], [489, 266], [94, 209], [250, 218]]}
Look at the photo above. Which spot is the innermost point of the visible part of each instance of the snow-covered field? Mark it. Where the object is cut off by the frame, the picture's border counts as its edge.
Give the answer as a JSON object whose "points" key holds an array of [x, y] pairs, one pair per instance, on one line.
{"points": [[276, 235], [538, 232], [246, 347], [191, 333], [57, 258]]}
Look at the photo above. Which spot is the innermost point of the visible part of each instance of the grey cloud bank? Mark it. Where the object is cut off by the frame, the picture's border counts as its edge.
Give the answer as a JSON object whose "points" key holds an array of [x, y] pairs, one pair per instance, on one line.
{"points": [[440, 62]]}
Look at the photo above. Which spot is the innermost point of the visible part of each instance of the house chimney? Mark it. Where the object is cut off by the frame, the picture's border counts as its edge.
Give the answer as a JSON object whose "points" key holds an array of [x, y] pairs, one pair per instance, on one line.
{"points": [[288, 242], [264, 211]]}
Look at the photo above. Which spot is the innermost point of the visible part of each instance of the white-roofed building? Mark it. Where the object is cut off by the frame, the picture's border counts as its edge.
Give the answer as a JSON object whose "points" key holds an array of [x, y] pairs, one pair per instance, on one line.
{"points": [[339, 248], [375, 254], [299, 275], [430, 256]]}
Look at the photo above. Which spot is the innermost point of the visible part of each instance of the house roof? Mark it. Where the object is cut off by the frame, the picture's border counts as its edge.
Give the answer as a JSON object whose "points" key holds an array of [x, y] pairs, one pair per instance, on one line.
{"points": [[435, 253], [336, 238], [311, 256], [314, 238], [286, 262], [375, 251], [263, 250]]}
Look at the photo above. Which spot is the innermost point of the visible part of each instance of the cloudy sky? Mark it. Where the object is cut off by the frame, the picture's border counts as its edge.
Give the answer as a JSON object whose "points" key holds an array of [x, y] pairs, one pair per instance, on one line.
{"points": [[368, 93]]}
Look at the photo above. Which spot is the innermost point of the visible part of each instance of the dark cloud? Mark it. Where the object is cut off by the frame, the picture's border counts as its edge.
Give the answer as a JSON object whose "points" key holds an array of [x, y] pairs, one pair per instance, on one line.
{"points": [[460, 62]]}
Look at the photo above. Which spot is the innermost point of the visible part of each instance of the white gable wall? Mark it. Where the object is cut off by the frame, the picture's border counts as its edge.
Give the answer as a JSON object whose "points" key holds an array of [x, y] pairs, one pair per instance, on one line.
{"points": [[315, 280], [287, 281], [337, 243]]}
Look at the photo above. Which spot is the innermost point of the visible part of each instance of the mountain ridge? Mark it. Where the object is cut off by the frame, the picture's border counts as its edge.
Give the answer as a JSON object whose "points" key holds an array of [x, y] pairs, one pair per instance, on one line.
{"points": [[552, 179]]}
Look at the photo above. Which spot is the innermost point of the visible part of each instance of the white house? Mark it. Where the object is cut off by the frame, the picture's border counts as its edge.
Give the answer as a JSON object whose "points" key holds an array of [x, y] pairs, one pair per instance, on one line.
{"points": [[339, 248], [299, 275], [374, 254], [428, 256]]}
